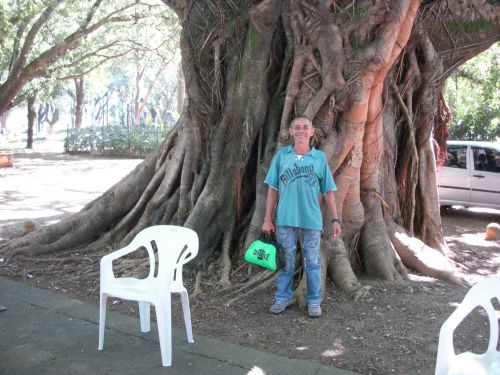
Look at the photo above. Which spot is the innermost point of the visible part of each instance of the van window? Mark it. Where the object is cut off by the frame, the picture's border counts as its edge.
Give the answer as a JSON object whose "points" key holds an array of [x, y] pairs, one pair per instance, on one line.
{"points": [[456, 157], [486, 159]]}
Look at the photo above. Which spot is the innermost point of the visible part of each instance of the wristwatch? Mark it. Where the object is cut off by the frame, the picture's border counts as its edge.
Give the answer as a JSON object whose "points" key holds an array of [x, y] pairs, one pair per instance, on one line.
{"points": [[335, 220]]}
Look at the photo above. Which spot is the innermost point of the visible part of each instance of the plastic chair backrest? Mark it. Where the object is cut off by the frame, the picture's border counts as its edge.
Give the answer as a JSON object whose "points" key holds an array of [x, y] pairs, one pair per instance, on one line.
{"points": [[176, 246], [482, 295]]}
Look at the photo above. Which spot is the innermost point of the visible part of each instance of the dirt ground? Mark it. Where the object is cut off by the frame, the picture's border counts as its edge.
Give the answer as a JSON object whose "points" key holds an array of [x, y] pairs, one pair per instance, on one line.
{"points": [[394, 330]]}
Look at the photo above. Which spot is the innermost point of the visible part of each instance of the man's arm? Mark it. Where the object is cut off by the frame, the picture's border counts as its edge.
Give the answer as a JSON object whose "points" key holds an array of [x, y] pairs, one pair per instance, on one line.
{"points": [[272, 198], [332, 212]]}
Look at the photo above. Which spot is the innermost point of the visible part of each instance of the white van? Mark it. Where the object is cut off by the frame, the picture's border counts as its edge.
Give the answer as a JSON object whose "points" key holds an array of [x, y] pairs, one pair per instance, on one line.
{"points": [[470, 175]]}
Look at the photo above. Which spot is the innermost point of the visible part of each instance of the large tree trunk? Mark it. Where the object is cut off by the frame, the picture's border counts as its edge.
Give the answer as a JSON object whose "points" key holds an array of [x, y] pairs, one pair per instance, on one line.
{"points": [[368, 73]]}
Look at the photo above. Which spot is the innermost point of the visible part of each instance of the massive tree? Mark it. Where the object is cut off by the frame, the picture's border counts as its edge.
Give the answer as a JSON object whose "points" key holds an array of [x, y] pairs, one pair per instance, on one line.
{"points": [[369, 74]]}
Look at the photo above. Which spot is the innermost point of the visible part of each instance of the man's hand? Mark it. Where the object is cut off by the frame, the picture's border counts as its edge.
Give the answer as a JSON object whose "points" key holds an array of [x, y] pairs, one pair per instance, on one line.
{"points": [[268, 226], [336, 230]]}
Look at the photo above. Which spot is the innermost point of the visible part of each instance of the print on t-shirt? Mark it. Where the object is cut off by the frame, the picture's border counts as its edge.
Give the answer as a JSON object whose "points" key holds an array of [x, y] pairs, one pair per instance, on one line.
{"points": [[295, 172]]}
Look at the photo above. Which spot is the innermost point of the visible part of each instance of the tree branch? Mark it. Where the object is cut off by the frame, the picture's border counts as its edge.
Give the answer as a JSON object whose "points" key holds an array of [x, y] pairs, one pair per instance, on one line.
{"points": [[30, 38], [103, 61], [16, 46]]}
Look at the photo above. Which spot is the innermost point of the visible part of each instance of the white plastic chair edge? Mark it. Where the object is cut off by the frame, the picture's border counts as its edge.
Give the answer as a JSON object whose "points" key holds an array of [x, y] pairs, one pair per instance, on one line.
{"points": [[446, 350], [107, 260]]}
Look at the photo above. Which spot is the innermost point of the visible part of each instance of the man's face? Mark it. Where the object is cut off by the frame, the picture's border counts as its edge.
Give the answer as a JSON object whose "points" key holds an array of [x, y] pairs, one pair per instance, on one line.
{"points": [[301, 130]]}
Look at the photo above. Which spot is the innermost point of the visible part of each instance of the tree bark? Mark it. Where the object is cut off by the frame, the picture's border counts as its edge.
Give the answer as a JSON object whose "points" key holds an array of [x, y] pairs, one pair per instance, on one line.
{"points": [[180, 90], [369, 74]]}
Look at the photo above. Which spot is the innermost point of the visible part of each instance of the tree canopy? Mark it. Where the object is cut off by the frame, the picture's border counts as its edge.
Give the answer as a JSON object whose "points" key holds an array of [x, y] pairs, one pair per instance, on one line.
{"points": [[61, 39], [473, 94]]}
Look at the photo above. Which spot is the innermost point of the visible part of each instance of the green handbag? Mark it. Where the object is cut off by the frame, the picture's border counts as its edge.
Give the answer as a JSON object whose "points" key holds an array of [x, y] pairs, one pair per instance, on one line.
{"points": [[265, 252]]}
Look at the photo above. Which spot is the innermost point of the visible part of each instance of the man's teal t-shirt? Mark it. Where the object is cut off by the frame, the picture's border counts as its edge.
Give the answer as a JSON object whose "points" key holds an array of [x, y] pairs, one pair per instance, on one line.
{"points": [[299, 183]]}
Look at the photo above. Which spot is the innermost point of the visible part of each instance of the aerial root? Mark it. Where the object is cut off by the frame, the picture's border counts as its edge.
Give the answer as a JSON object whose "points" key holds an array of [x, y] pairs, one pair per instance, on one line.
{"points": [[265, 278], [197, 285]]}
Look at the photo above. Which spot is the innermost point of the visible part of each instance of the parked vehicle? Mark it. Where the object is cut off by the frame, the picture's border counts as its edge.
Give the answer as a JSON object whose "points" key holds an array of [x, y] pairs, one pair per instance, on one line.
{"points": [[470, 175]]}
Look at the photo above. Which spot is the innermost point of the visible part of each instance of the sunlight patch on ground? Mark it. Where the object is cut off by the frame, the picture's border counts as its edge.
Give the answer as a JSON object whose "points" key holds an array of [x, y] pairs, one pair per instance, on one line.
{"points": [[422, 278], [302, 348], [256, 371], [337, 350], [472, 239], [484, 210], [477, 209]]}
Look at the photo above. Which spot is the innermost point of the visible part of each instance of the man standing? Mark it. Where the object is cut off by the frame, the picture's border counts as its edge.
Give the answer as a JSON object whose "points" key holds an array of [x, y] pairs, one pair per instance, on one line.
{"points": [[298, 175]]}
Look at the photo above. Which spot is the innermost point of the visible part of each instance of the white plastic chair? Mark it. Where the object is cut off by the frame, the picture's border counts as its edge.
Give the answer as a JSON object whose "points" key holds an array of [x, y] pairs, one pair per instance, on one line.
{"points": [[449, 363], [176, 246]]}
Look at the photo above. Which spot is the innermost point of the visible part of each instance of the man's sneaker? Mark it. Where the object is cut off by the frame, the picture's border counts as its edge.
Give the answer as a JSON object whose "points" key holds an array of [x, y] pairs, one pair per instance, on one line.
{"points": [[280, 306], [314, 310]]}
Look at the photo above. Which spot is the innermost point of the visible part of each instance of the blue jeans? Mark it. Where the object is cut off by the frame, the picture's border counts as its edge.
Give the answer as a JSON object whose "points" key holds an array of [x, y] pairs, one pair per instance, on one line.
{"points": [[310, 240]]}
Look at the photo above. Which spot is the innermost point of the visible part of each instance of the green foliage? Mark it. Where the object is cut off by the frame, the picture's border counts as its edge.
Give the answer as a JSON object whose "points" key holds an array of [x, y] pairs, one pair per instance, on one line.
{"points": [[125, 25], [134, 36], [115, 140], [473, 94]]}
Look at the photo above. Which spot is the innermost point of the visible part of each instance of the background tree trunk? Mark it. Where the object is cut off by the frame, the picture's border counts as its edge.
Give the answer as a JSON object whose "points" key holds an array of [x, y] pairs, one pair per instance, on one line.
{"points": [[43, 109], [137, 101], [369, 74], [31, 119], [3, 121], [52, 117], [80, 97]]}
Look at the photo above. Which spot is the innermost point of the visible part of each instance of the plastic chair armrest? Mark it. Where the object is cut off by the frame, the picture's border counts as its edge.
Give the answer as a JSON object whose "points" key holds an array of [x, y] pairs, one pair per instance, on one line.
{"points": [[107, 260], [120, 253]]}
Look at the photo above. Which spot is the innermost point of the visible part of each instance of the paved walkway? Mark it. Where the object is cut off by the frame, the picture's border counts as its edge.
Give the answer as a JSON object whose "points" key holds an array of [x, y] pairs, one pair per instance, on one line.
{"points": [[46, 333]]}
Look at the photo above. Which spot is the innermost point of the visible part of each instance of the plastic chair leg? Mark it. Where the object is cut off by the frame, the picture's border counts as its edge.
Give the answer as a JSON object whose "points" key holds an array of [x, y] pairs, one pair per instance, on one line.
{"points": [[187, 316], [164, 322], [145, 316], [102, 320]]}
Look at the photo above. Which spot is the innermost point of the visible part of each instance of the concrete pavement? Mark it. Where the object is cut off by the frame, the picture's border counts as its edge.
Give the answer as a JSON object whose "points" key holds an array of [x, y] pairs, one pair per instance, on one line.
{"points": [[47, 333]]}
